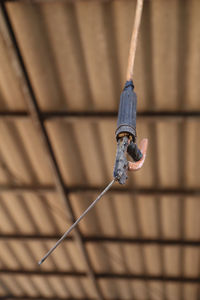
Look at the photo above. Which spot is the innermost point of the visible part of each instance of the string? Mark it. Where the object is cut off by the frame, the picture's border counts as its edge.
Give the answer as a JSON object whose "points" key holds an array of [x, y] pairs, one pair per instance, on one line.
{"points": [[134, 39]]}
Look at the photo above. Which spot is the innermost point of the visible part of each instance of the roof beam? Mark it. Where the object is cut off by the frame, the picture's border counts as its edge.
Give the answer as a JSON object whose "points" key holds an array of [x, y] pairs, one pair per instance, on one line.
{"points": [[102, 275], [29, 95], [38, 1], [154, 191], [101, 115], [28, 297], [105, 239]]}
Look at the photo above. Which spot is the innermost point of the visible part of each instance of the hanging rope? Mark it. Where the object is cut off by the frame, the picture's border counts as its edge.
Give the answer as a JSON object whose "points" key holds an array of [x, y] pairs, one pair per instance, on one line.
{"points": [[134, 39]]}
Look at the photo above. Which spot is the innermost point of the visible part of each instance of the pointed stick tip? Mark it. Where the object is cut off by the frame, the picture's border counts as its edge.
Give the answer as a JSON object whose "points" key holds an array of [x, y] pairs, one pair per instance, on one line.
{"points": [[40, 262]]}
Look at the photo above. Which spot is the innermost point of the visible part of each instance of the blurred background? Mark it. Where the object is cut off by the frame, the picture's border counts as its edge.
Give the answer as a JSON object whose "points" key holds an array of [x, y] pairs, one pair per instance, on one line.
{"points": [[62, 68]]}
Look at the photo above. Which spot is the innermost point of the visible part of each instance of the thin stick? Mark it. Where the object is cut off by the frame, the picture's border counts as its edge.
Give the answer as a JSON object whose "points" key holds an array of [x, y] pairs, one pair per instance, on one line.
{"points": [[77, 221], [134, 38]]}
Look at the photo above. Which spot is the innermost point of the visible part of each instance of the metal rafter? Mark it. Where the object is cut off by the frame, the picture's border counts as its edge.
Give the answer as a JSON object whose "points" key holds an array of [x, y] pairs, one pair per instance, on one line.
{"points": [[99, 115], [103, 275], [28, 297], [104, 239], [29, 95], [41, 1], [76, 189]]}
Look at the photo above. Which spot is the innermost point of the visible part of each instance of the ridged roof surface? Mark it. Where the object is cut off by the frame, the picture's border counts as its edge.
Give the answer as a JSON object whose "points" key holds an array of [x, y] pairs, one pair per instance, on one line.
{"points": [[142, 241]]}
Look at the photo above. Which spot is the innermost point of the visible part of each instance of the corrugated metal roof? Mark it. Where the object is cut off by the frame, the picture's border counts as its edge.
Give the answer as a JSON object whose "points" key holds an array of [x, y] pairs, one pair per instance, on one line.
{"points": [[141, 241]]}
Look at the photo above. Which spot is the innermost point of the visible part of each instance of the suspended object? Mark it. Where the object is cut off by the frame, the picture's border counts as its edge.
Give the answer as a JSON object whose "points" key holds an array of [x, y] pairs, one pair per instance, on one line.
{"points": [[125, 132]]}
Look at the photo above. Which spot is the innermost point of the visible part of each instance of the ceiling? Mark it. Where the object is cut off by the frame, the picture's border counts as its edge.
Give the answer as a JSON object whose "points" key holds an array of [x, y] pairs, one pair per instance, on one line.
{"points": [[63, 66]]}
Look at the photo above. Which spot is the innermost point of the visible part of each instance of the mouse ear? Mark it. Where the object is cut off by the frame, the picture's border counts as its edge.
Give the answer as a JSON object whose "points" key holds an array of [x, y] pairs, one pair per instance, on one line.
{"points": [[134, 166]]}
